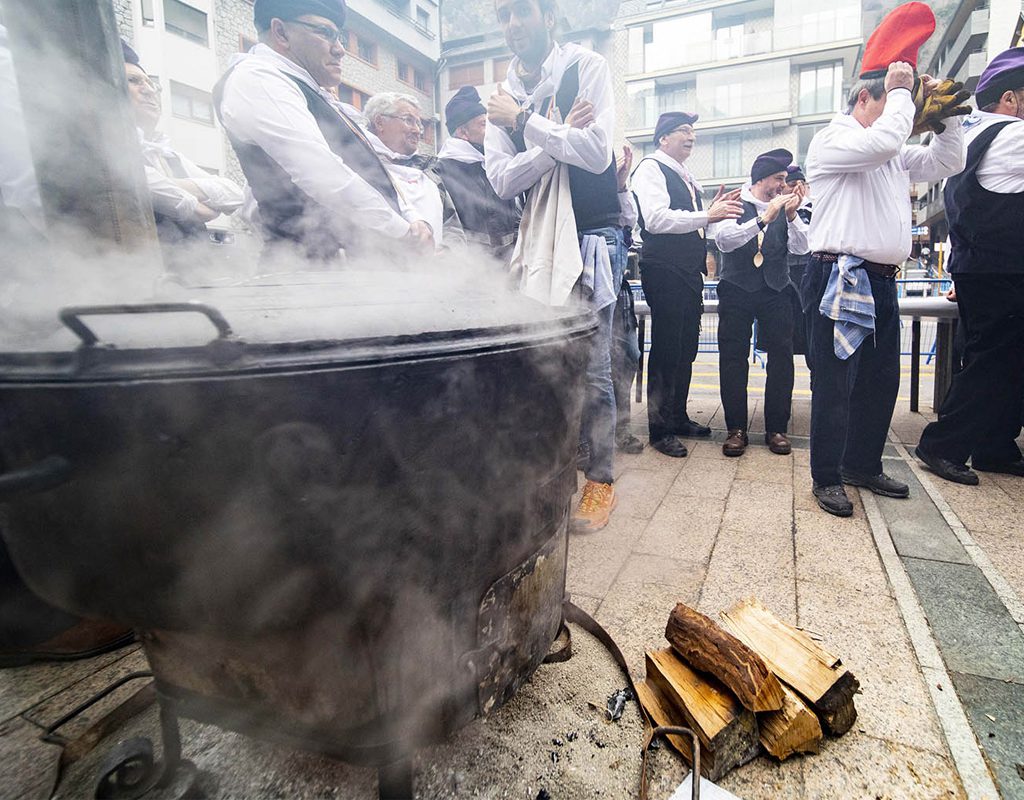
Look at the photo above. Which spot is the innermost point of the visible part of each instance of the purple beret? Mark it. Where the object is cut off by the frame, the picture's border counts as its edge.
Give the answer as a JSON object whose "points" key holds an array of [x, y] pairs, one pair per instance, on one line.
{"points": [[1004, 73], [794, 174], [266, 10], [769, 163], [464, 106], [130, 56], [671, 120]]}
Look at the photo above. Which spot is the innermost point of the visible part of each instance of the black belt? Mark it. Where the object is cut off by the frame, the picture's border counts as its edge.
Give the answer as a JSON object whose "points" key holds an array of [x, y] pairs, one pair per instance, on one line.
{"points": [[885, 270]]}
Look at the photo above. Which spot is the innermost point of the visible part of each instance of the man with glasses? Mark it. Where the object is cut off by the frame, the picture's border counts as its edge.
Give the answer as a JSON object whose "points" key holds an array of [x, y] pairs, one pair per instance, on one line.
{"points": [[320, 188]]}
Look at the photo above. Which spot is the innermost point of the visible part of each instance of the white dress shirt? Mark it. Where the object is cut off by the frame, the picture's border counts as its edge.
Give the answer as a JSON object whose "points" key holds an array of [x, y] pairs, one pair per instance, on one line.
{"points": [[1002, 167], [550, 141], [414, 185], [861, 178], [263, 106], [222, 194], [730, 234], [18, 186], [651, 192]]}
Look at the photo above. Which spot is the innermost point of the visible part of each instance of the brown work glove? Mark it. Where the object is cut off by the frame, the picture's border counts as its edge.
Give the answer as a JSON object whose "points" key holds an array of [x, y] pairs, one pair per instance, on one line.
{"points": [[944, 102]]}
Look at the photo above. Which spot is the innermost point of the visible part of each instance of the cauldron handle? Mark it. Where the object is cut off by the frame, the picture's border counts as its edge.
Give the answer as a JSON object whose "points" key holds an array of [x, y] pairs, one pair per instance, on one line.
{"points": [[47, 473], [72, 315]]}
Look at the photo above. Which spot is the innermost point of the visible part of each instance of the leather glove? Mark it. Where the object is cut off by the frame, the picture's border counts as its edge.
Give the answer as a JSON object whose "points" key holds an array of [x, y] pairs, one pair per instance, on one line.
{"points": [[944, 102]]}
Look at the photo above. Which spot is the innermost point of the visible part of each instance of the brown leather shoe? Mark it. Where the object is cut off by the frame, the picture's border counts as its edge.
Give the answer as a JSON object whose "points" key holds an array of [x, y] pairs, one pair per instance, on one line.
{"points": [[736, 444], [778, 443], [84, 639]]}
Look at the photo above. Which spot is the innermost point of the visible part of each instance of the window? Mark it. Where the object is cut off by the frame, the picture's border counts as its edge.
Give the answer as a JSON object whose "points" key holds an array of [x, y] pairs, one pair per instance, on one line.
{"points": [[500, 66], [147, 13], [190, 103], [414, 77], [799, 23], [186, 21], [423, 18], [362, 48], [748, 90], [804, 135], [352, 96], [466, 75], [728, 155], [728, 41], [821, 88]]}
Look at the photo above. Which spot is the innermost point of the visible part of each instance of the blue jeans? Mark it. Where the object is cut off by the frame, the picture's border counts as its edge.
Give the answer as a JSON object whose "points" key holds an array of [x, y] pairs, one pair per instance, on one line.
{"points": [[598, 428]]}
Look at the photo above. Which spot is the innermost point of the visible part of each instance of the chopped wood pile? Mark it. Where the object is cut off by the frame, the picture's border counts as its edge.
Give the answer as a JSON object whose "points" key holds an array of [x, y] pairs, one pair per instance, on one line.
{"points": [[757, 683]]}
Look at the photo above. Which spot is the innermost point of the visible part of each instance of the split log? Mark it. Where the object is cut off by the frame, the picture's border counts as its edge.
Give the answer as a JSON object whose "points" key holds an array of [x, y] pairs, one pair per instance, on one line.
{"points": [[727, 731], [705, 646], [792, 729], [817, 675]]}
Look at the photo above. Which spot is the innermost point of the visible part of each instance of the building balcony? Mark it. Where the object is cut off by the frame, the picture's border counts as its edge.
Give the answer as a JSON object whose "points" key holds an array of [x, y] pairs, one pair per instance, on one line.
{"points": [[973, 36], [394, 19]]}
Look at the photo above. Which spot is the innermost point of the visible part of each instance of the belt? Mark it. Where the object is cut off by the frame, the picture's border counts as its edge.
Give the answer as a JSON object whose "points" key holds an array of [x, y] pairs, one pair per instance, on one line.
{"points": [[884, 270]]}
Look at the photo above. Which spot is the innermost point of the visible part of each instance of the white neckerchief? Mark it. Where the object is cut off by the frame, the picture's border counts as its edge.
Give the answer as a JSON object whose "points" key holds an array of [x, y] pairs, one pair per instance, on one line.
{"points": [[561, 57], [746, 194], [460, 150], [680, 169], [286, 65]]}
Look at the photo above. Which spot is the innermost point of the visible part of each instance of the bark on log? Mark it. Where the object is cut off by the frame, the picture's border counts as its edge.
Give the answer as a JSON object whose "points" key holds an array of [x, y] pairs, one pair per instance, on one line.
{"points": [[792, 729], [705, 646]]}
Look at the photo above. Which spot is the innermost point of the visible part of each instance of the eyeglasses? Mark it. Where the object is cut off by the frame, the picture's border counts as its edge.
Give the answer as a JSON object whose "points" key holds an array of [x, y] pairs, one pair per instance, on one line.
{"points": [[142, 82], [408, 119], [332, 35]]}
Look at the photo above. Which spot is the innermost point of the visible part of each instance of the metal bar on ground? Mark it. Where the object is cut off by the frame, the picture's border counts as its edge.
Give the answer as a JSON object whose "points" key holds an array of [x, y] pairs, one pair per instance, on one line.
{"points": [[915, 364]]}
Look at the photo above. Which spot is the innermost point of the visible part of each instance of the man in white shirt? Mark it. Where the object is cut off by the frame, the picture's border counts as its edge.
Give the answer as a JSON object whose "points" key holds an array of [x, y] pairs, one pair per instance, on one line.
{"points": [[981, 415], [525, 139], [673, 264], [320, 188], [861, 168]]}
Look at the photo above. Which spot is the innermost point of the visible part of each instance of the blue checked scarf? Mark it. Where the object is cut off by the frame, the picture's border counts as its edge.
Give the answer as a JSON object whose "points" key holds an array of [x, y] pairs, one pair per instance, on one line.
{"points": [[848, 300]]}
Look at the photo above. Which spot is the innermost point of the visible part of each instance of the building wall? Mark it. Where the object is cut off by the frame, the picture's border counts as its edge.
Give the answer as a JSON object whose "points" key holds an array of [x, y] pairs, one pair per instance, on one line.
{"points": [[123, 13]]}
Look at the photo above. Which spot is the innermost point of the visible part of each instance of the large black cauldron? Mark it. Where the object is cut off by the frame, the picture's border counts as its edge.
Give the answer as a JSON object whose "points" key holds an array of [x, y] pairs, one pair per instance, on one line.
{"points": [[341, 522]]}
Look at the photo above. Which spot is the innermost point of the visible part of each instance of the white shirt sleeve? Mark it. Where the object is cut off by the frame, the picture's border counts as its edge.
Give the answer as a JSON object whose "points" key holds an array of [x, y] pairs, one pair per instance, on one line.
{"points": [[853, 148], [589, 148], [945, 155], [222, 194], [627, 210], [1002, 167], [509, 172], [731, 235], [649, 186], [797, 236], [264, 107], [170, 199]]}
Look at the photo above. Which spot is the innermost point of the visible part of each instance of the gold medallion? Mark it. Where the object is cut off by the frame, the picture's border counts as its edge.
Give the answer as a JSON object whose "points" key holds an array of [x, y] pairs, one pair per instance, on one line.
{"points": [[758, 259]]}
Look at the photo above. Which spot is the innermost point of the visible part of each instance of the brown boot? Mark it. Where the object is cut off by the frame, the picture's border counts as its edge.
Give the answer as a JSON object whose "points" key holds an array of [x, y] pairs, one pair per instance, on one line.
{"points": [[778, 443], [84, 639], [736, 444], [595, 507]]}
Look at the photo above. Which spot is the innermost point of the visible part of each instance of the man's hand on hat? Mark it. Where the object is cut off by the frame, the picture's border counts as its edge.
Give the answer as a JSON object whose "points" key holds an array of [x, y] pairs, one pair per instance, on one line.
{"points": [[502, 109], [899, 76], [725, 205]]}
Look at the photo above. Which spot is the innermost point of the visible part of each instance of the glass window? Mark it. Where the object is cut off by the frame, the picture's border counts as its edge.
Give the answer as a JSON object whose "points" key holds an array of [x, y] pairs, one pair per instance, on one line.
{"points": [[821, 88], [642, 111], [804, 135], [729, 42], [466, 75], [186, 21], [799, 24], [352, 96], [147, 13], [423, 18], [191, 103], [744, 91], [728, 155], [671, 43]]}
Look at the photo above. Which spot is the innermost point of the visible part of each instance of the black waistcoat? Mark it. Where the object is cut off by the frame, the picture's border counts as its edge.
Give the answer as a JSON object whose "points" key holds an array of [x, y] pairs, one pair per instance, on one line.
{"points": [[286, 211], [595, 198], [738, 266], [683, 253], [986, 228], [480, 209]]}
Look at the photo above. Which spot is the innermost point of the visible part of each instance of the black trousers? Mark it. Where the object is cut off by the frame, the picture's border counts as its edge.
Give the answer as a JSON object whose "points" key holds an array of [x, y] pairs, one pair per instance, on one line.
{"points": [[852, 400], [675, 331], [981, 415], [737, 310]]}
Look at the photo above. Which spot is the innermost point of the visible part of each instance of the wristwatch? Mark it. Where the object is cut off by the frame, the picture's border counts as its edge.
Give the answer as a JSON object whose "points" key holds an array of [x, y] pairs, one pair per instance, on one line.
{"points": [[761, 223], [521, 119]]}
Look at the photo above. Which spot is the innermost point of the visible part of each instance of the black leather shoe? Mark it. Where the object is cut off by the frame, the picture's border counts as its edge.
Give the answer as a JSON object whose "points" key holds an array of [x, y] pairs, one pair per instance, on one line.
{"points": [[693, 430], [670, 446], [879, 484], [1006, 468], [944, 468], [834, 500], [629, 444]]}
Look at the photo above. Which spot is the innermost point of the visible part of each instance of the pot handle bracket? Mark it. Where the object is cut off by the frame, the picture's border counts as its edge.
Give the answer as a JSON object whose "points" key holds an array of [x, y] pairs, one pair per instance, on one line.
{"points": [[72, 315]]}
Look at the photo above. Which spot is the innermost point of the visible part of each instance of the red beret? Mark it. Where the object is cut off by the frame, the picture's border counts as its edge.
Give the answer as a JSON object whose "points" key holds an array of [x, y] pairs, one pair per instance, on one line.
{"points": [[897, 38]]}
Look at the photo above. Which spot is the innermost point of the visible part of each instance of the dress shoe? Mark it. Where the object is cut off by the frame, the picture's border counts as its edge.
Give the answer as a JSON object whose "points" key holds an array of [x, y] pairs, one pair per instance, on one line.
{"points": [[879, 484], [778, 443], [692, 430], [1006, 468], [736, 444], [944, 468], [834, 500], [670, 446], [84, 639], [629, 444]]}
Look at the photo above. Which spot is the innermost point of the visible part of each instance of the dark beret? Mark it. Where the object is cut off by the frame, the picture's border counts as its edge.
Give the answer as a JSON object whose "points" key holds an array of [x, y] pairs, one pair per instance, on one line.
{"points": [[266, 10], [769, 163], [130, 56], [1004, 73], [794, 174], [671, 120], [464, 106]]}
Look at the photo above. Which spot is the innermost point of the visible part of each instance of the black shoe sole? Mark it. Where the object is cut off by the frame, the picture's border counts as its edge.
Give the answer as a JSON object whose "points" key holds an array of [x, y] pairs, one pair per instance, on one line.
{"points": [[875, 489], [835, 512], [926, 459], [998, 470], [690, 435]]}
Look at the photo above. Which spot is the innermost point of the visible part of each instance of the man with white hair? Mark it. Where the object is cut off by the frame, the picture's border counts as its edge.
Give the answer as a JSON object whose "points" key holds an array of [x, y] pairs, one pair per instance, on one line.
{"points": [[395, 131]]}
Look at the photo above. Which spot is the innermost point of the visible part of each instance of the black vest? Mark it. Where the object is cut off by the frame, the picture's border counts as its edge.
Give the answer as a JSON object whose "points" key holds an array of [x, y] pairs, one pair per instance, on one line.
{"points": [[738, 266], [595, 198], [480, 209], [684, 253], [286, 211], [986, 228]]}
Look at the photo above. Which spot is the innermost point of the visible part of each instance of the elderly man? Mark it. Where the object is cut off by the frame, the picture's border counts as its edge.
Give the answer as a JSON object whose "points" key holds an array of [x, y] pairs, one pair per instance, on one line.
{"points": [[396, 130], [556, 109], [752, 286], [486, 218], [673, 264], [981, 416], [185, 196], [320, 187], [861, 167]]}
